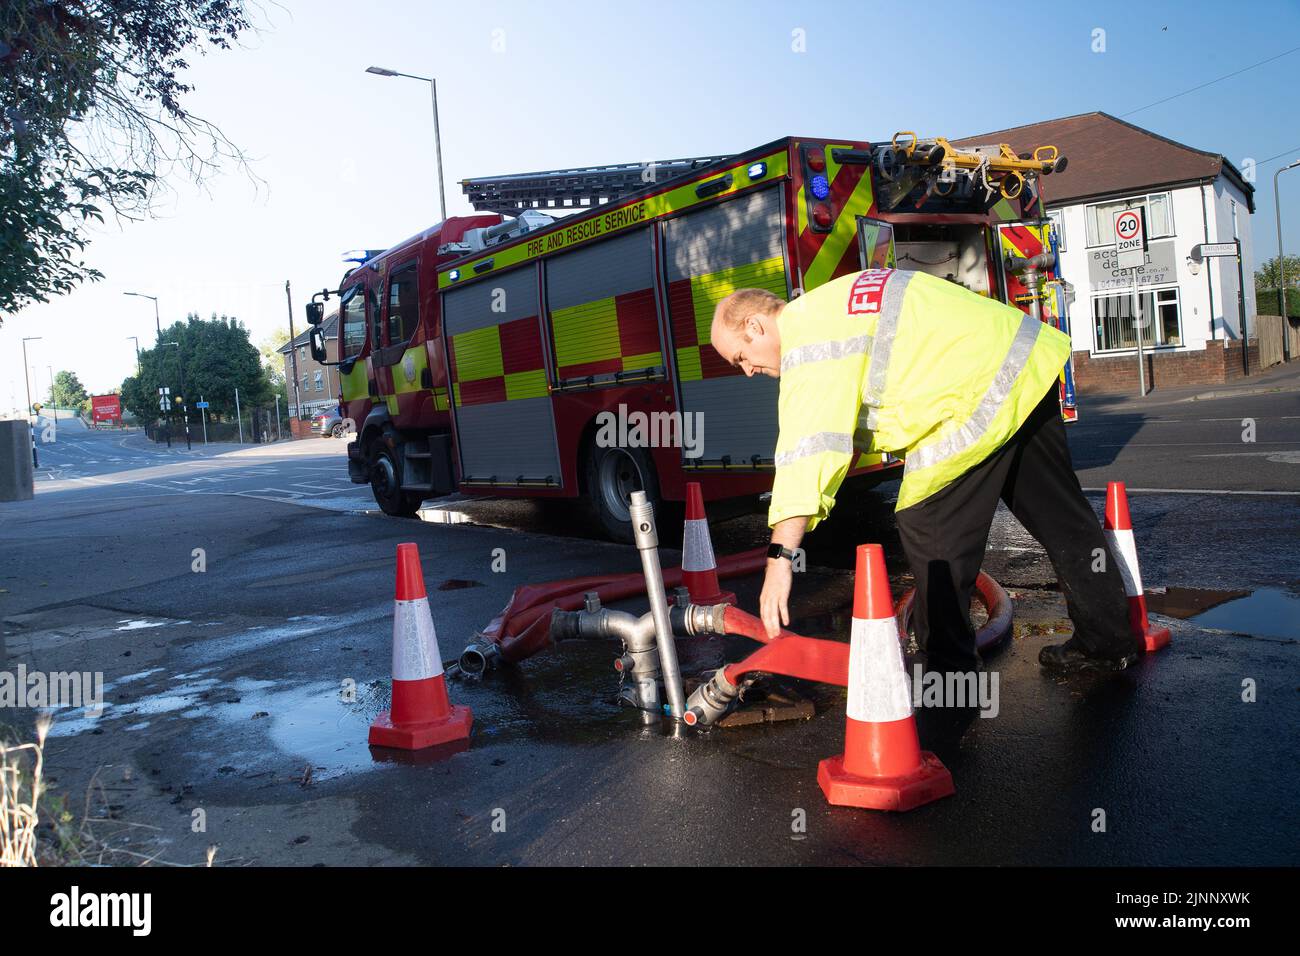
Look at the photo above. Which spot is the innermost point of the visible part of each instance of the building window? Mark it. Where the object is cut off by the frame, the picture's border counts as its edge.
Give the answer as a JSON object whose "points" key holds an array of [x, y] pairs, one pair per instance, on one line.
{"points": [[1100, 218], [1058, 227], [1112, 319], [320, 382], [302, 353]]}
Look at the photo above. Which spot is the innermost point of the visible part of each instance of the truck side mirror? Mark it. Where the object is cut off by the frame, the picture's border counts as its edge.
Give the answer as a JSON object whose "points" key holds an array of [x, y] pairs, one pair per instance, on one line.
{"points": [[318, 343], [315, 313]]}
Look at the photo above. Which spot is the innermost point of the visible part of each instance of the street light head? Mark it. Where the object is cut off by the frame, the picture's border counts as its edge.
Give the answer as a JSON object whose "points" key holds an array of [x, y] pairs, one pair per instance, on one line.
{"points": [[381, 71]]}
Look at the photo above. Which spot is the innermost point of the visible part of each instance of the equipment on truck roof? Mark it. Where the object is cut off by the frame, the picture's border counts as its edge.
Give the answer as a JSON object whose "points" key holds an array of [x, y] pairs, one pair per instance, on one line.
{"points": [[577, 188]]}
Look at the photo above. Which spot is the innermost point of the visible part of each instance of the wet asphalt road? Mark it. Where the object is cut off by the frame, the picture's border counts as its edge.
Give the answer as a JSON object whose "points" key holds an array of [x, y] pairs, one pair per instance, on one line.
{"points": [[226, 685]]}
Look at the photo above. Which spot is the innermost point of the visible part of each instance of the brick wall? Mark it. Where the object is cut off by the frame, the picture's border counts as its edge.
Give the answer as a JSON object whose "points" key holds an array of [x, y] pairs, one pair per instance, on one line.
{"points": [[300, 428], [1214, 365]]}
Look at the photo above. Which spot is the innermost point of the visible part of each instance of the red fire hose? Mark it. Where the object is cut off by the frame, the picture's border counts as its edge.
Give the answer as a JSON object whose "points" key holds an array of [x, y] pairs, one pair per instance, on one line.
{"points": [[827, 662], [523, 626]]}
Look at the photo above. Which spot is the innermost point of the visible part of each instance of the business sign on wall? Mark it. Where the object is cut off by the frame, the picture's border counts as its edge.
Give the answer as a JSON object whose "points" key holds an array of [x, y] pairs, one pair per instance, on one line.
{"points": [[1106, 275]]}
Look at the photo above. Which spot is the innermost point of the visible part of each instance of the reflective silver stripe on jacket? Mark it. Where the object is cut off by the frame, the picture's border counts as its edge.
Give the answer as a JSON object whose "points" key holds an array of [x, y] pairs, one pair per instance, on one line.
{"points": [[825, 351], [974, 428], [815, 445], [891, 307]]}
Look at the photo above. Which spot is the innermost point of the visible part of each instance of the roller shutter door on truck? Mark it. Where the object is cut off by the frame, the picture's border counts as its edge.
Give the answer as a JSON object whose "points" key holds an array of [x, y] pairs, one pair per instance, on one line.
{"points": [[709, 254], [505, 421], [603, 318]]}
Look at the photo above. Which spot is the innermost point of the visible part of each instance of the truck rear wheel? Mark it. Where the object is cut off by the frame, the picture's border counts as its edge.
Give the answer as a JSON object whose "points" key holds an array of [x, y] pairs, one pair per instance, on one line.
{"points": [[386, 485], [612, 475]]}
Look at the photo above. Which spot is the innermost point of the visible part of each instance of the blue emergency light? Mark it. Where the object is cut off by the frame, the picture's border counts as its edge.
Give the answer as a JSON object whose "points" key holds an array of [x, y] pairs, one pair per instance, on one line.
{"points": [[820, 186]]}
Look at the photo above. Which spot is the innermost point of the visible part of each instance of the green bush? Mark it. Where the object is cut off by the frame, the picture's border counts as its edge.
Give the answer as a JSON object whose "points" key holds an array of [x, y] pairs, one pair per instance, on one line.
{"points": [[1269, 302]]}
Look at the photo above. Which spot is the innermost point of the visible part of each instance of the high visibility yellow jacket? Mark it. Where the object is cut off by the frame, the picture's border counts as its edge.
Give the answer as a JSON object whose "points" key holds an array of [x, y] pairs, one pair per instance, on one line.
{"points": [[904, 362]]}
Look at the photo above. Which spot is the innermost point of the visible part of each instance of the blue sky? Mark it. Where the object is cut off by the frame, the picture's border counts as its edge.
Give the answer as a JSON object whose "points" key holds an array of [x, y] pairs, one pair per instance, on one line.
{"points": [[346, 158]]}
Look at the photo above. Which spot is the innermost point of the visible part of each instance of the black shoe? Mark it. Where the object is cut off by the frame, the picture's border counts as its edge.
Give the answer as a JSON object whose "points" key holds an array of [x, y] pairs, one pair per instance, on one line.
{"points": [[1069, 657]]}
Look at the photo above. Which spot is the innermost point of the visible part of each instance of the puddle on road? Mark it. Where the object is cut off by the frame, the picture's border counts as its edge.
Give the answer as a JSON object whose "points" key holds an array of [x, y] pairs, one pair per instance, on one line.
{"points": [[1264, 612], [1267, 612]]}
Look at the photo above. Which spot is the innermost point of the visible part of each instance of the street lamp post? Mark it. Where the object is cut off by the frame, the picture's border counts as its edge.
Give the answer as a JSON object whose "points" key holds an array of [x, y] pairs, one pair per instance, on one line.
{"points": [[137, 353], [28, 382], [156, 320], [437, 137], [53, 404], [1281, 264], [185, 410]]}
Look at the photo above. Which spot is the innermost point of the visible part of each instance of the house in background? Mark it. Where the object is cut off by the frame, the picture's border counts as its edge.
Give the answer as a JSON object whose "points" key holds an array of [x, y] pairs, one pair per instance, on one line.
{"points": [[318, 385], [1190, 196]]}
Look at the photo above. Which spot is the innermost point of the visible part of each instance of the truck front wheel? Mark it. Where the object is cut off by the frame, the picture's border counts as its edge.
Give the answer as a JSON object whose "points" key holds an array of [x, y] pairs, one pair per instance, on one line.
{"points": [[386, 485]]}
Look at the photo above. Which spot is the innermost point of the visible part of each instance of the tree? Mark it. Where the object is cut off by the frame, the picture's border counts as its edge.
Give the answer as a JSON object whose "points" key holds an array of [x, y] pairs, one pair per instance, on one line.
{"points": [[1268, 277], [91, 119], [211, 359], [68, 391], [273, 361]]}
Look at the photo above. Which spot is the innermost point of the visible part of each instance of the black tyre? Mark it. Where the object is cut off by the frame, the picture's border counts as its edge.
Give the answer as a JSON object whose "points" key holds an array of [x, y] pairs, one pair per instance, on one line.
{"points": [[612, 474], [385, 484], [338, 431]]}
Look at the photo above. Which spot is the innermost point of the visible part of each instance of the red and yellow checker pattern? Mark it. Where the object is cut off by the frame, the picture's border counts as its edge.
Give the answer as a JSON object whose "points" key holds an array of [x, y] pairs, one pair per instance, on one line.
{"points": [[498, 363], [614, 334], [691, 303]]}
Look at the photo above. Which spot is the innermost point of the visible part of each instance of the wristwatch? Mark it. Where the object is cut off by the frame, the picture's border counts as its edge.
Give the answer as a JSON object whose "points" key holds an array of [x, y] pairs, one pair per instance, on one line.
{"points": [[775, 550]]}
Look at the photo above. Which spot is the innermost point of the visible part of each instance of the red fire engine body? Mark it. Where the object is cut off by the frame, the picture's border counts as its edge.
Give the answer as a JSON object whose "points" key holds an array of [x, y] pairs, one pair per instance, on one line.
{"points": [[479, 355]]}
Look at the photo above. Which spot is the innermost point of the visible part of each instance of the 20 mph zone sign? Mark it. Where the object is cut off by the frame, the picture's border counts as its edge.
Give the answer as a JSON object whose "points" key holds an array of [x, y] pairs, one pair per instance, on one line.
{"points": [[1130, 240]]}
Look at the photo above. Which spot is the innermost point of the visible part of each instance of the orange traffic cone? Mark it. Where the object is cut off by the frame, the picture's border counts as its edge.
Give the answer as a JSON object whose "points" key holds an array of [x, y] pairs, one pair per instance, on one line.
{"points": [[883, 766], [699, 566], [421, 715], [1119, 535]]}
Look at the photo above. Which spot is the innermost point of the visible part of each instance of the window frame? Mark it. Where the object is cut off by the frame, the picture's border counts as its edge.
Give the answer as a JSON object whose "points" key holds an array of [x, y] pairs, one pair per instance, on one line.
{"points": [[1057, 216], [359, 289], [1143, 202], [1154, 294], [413, 267]]}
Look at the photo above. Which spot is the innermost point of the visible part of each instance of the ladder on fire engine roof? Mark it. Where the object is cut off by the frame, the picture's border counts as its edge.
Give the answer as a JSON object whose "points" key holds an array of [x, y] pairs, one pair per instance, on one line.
{"points": [[576, 188]]}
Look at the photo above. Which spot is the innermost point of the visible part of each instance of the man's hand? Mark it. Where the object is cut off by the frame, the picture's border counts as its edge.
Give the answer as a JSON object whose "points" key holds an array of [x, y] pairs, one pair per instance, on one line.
{"points": [[774, 602]]}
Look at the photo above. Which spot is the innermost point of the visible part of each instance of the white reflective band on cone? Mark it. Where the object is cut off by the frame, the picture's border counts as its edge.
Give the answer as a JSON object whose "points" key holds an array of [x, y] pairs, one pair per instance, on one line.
{"points": [[415, 645], [697, 549], [1125, 549], [878, 691]]}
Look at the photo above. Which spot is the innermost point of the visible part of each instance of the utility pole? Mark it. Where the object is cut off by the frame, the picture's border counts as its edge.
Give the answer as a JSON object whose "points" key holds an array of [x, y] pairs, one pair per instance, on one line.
{"points": [[1281, 266], [293, 353]]}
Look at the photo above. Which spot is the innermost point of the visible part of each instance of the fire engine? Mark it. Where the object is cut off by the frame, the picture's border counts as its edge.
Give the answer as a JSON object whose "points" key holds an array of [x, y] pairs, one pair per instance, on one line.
{"points": [[483, 354]]}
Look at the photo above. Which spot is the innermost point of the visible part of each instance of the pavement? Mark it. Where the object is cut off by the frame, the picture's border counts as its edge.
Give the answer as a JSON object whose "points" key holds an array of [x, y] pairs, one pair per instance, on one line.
{"points": [[239, 687]]}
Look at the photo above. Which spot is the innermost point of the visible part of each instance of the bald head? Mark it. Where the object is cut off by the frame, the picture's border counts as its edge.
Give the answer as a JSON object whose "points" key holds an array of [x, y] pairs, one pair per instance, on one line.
{"points": [[745, 331]]}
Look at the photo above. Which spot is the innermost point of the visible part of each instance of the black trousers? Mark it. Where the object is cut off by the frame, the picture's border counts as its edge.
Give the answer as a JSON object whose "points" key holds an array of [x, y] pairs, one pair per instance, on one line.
{"points": [[945, 535]]}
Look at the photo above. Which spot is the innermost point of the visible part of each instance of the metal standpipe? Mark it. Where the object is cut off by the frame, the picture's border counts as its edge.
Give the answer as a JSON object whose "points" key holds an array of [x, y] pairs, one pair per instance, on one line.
{"points": [[640, 660], [647, 542]]}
